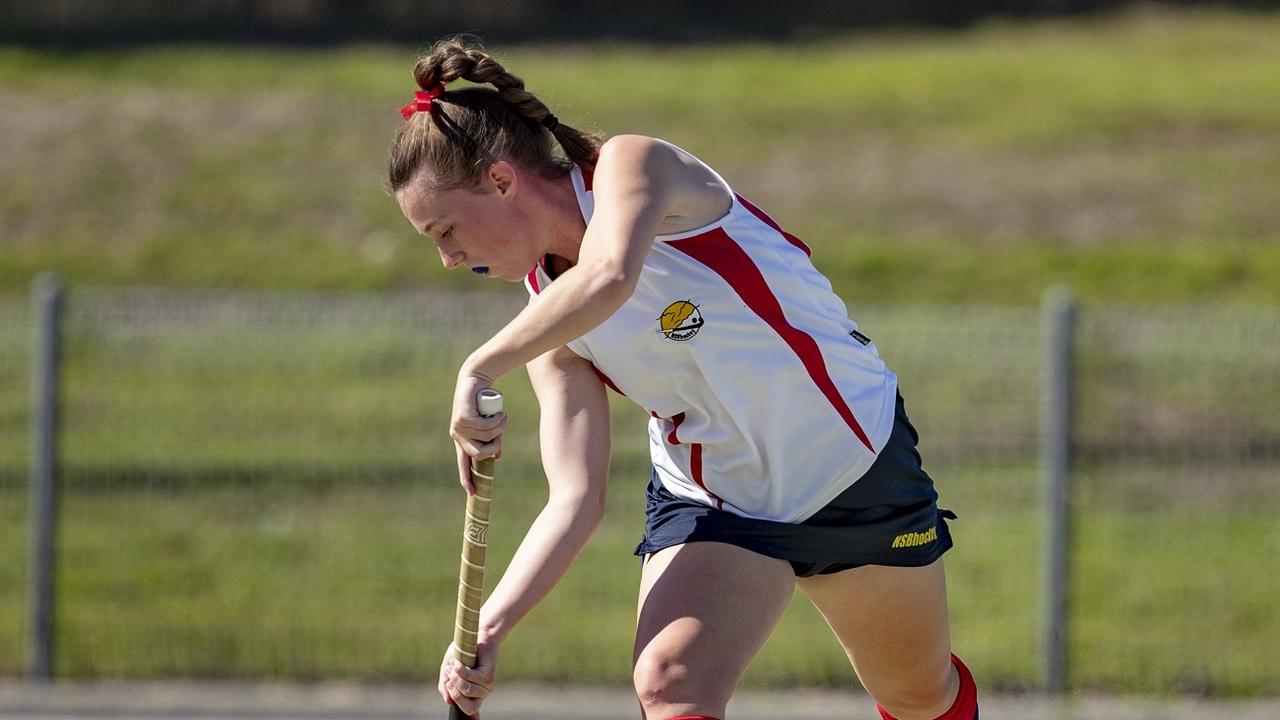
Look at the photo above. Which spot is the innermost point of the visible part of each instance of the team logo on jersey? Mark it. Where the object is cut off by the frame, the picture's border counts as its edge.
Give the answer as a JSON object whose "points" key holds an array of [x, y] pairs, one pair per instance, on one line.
{"points": [[680, 321]]}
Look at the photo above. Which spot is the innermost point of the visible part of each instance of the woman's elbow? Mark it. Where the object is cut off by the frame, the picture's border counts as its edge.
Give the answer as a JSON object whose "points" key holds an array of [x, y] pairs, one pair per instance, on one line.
{"points": [[583, 507], [612, 283]]}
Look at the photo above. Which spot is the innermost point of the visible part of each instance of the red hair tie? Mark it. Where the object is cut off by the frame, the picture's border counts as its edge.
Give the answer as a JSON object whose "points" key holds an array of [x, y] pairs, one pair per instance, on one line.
{"points": [[422, 101]]}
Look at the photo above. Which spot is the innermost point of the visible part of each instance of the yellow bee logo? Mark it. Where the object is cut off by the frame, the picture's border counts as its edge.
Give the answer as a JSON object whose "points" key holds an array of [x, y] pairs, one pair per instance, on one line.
{"points": [[680, 321]]}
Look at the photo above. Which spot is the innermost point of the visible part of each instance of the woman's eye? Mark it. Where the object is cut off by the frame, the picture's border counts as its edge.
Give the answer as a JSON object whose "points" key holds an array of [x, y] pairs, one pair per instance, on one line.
{"points": [[447, 233]]}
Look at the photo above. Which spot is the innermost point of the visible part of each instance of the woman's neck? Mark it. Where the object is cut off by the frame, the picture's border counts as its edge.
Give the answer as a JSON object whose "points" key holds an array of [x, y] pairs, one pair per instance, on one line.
{"points": [[564, 219]]}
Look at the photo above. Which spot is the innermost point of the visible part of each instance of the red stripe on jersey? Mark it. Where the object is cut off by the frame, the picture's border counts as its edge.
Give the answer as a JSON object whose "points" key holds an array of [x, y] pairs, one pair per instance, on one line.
{"points": [[587, 176], [695, 469], [695, 457], [718, 251], [675, 425], [605, 379], [532, 279], [764, 218]]}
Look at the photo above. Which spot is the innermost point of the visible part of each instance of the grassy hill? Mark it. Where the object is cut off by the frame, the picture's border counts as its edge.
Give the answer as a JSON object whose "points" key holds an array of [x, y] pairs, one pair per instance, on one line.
{"points": [[1132, 157]]}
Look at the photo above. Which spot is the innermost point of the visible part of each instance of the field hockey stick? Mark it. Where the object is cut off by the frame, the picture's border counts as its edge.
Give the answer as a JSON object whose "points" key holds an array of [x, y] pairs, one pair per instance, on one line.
{"points": [[475, 538]]}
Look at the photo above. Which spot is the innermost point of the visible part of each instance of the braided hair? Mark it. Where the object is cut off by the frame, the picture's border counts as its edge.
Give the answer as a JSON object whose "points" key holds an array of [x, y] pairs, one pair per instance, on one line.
{"points": [[467, 129]]}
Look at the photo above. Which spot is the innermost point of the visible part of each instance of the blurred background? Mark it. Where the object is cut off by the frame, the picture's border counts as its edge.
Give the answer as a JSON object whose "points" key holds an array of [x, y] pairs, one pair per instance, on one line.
{"points": [[255, 353]]}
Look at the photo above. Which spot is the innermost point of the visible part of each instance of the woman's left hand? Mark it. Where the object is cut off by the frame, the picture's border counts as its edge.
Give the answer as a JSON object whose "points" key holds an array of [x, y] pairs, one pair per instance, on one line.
{"points": [[474, 435], [468, 687]]}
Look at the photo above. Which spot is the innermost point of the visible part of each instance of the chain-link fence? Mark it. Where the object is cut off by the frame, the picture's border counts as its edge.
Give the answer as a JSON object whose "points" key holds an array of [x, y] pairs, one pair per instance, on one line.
{"points": [[261, 486], [1178, 493], [14, 347]]}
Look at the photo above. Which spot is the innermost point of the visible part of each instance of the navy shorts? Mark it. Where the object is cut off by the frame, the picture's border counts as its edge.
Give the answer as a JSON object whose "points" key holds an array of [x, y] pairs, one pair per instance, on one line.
{"points": [[890, 516]]}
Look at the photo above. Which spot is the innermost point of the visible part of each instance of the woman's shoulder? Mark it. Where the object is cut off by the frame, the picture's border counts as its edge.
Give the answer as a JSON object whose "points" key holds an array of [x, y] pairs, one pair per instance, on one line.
{"points": [[626, 159], [697, 194], [622, 149], [626, 154], [632, 141]]}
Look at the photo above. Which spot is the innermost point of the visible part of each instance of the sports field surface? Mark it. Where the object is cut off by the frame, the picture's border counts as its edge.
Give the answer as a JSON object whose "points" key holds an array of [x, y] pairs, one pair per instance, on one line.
{"points": [[179, 701]]}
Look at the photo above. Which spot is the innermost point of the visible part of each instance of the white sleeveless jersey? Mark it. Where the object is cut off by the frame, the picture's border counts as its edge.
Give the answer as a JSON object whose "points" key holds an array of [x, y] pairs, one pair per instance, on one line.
{"points": [[765, 400]]}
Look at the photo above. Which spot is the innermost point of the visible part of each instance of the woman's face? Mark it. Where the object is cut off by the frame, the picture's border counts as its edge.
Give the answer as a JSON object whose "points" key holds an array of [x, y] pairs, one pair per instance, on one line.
{"points": [[483, 228]]}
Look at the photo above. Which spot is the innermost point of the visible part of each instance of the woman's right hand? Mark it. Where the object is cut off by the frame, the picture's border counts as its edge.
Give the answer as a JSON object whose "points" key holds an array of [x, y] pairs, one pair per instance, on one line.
{"points": [[468, 687], [474, 435]]}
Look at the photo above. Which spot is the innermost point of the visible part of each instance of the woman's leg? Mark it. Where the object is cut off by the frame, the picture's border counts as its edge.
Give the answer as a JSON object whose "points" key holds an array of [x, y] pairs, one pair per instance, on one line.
{"points": [[706, 608], [892, 623]]}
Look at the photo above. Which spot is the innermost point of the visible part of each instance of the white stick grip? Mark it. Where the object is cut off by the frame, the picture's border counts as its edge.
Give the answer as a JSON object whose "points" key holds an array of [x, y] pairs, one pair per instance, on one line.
{"points": [[489, 402]]}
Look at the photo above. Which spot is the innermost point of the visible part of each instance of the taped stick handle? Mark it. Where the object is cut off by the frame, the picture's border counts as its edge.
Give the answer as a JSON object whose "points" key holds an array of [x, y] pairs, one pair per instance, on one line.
{"points": [[475, 540]]}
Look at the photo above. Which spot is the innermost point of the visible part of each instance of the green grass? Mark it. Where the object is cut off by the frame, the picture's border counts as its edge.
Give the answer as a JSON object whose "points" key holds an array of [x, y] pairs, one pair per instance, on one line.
{"points": [[1189, 561], [1131, 156], [293, 581], [257, 486]]}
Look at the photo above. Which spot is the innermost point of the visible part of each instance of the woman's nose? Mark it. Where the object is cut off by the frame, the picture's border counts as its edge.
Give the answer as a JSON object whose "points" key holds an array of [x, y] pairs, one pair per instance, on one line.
{"points": [[451, 258]]}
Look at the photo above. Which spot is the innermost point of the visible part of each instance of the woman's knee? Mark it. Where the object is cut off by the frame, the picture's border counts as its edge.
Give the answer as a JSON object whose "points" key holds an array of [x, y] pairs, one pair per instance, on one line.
{"points": [[923, 695], [660, 680], [666, 685]]}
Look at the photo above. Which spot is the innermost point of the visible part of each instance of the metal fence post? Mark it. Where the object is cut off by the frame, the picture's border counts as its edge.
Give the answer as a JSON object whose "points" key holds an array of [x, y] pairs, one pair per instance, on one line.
{"points": [[1058, 319], [46, 307]]}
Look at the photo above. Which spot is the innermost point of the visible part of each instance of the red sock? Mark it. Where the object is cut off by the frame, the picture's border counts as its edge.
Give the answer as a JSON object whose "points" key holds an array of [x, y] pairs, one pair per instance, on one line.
{"points": [[966, 705]]}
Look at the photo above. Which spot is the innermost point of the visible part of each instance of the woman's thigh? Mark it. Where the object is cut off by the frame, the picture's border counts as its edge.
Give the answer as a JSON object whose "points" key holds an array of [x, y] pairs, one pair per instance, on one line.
{"points": [[705, 610], [892, 623]]}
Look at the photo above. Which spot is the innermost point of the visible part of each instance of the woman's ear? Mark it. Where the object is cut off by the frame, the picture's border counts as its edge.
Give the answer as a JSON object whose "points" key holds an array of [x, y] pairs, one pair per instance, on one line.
{"points": [[502, 176]]}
